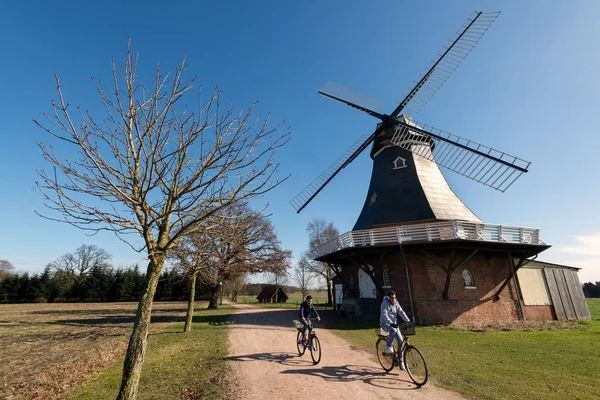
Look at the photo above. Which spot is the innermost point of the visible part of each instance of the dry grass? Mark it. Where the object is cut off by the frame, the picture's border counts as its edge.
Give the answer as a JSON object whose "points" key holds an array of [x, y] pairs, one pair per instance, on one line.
{"points": [[176, 365], [517, 326], [47, 349]]}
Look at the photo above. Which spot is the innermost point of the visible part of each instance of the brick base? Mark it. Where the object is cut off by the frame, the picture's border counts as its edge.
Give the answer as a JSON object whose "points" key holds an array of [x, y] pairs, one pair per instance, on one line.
{"points": [[539, 313], [449, 312]]}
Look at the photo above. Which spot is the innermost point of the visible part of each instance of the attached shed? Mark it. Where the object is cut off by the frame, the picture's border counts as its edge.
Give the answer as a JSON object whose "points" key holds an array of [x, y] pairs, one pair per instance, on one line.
{"points": [[272, 294], [552, 291]]}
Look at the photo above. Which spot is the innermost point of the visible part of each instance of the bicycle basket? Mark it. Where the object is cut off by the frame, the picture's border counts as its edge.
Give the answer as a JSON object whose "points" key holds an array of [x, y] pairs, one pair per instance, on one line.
{"points": [[407, 328], [298, 324]]}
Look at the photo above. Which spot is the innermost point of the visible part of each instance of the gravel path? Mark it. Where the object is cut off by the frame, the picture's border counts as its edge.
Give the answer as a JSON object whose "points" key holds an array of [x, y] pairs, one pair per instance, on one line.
{"points": [[266, 364]]}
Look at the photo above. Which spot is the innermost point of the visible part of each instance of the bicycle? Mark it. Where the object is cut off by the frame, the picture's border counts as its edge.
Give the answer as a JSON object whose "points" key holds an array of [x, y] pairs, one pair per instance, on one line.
{"points": [[414, 362], [312, 341]]}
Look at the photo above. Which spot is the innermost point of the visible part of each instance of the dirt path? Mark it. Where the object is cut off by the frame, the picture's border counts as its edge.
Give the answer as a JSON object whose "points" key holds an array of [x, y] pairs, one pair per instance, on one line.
{"points": [[266, 364]]}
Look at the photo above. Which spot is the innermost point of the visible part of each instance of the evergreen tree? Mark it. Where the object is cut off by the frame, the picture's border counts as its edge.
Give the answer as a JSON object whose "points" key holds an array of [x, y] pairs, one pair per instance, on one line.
{"points": [[591, 290]]}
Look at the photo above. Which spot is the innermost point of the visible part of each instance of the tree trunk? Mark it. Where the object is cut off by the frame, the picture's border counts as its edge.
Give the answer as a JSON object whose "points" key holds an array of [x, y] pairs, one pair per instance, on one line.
{"points": [[190, 309], [214, 298], [132, 367]]}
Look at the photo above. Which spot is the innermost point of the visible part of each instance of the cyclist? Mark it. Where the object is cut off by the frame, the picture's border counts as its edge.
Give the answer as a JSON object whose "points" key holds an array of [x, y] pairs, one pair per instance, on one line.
{"points": [[390, 310], [307, 310]]}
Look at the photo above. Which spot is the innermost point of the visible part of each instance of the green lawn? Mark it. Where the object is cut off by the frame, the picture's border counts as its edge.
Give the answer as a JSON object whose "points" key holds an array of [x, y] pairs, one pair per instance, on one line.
{"points": [[177, 365], [319, 298], [518, 364]]}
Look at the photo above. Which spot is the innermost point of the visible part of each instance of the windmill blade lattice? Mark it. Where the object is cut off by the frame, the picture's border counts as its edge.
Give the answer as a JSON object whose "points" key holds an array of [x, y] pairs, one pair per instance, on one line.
{"points": [[309, 192], [449, 58], [341, 94], [475, 161]]}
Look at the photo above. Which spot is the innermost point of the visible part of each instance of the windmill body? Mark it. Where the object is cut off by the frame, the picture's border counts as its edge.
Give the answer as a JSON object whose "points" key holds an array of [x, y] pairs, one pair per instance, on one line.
{"points": [[406, 187], [415, 236]]}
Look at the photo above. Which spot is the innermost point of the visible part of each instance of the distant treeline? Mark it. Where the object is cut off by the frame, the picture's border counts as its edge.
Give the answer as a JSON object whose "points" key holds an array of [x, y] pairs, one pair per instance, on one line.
{"points": [[591, 289], [104, 284], [101, 284]]}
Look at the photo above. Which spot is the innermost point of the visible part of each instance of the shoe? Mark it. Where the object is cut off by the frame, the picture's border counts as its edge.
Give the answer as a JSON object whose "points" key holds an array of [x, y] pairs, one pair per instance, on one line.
{"points": [[389, 350], [401, 365], [303, 341]]}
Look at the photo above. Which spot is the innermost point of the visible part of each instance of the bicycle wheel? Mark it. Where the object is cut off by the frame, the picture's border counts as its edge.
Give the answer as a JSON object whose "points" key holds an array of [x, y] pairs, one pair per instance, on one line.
{"points": [[385, 359], [301, 347], [415, 365], [315, 349]]}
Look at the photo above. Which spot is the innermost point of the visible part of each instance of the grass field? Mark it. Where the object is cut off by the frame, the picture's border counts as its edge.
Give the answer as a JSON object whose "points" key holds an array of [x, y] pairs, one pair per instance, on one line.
{"points": [[48, 349], [543, 362], [76, 351], [176, 366], [319, 298]]}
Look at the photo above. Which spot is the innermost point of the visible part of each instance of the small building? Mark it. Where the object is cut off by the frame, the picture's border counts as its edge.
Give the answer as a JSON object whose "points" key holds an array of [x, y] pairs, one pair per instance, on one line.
{"points": [[551, 291], [272, 294]]}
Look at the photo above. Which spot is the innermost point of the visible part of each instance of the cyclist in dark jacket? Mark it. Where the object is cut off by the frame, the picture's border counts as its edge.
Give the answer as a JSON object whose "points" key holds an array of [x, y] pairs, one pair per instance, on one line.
{"points": [[307, 310]]}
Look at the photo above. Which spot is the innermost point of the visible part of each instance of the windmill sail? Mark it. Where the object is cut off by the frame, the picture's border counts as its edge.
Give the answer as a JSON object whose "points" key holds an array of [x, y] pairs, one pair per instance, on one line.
{"points": [[503, 172], [475, 161], [341, 94], [449, 58], [309, 192]]}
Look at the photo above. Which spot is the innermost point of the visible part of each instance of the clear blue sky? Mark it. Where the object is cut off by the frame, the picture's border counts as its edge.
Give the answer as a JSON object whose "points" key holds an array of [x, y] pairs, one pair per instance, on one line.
{"points": [[531, 88]]}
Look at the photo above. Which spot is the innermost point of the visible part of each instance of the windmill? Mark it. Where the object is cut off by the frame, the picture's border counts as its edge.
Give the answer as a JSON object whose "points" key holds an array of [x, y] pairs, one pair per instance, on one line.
{"points": [[414, 235], [406, 183]]}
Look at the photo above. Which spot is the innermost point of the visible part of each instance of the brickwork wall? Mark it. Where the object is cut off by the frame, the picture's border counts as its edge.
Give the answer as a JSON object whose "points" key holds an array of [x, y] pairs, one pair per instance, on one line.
{"points": [[428, 279], [539, 313], [463, 311]]}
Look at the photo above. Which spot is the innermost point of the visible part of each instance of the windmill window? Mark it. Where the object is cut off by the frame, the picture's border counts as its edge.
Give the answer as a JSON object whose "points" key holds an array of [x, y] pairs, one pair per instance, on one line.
{"points": [[468, 279], [373, 199], [399, 163], [386, 277]]}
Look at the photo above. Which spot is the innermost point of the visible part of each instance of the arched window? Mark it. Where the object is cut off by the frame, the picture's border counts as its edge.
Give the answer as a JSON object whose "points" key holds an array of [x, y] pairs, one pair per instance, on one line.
{"points": [[468, 279], [386, 277]]}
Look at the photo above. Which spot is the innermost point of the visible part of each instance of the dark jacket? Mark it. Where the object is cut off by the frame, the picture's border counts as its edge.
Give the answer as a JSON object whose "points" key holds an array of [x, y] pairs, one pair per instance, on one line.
{"points": [[308, 311]]}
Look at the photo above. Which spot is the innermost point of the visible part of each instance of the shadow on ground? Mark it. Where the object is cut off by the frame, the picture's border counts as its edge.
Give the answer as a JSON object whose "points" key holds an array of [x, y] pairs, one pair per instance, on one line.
{"points": [[107, 311], [282, 318], [351, 373], [280, 358], [114, 320]]}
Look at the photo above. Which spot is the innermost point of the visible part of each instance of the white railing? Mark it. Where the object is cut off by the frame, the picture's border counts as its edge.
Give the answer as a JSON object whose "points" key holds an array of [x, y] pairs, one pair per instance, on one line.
{"points": [[428, 232]]}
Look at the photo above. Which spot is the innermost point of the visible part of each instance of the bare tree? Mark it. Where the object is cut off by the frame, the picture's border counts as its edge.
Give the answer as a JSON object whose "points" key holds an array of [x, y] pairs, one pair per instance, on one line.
{"points": [[152, 168], [235, 286], [189, 253], [81, 261], [303, 276], [319, 232], [6, 268], [246, 244]]}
